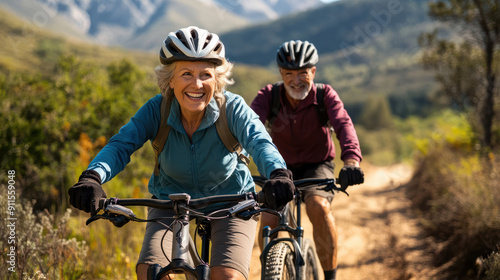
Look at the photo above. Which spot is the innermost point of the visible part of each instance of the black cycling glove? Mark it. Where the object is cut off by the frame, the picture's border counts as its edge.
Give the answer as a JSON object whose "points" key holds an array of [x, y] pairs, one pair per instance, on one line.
{"points": [[85, 194], [279, 189], [351, 175]]}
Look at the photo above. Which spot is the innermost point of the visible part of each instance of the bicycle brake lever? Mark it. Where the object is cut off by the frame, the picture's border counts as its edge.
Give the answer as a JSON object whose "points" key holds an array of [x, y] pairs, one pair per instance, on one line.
{"points": [[333, 187], [247, 214], [344, 191], [245, 209], [120, 210], [94, 218], [343, 187], [242, 206], [118, 220]]}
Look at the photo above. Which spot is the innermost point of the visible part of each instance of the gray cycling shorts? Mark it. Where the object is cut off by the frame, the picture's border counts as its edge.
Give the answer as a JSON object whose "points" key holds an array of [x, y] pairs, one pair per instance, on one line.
{"points": [[315, 170], [232, 242]]}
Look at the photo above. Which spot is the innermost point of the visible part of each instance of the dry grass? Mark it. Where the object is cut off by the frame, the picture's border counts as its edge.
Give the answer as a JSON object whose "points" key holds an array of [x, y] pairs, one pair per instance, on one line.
{"points": [[112, 252], [490, 265], [458, 197], [49, 246], [38, 244]]}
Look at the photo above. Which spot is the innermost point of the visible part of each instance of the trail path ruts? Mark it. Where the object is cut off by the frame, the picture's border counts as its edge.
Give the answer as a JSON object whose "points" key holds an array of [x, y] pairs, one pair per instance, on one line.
{"points": [[378, 236]]}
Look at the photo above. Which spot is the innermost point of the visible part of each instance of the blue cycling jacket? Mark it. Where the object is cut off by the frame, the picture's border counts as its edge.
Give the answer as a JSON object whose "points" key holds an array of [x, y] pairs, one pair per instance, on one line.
{"points": [[200, 167]]}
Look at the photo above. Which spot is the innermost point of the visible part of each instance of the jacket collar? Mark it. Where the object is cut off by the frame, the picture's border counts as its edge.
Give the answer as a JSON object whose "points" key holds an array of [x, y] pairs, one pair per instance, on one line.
{"points": [[211, 115]]}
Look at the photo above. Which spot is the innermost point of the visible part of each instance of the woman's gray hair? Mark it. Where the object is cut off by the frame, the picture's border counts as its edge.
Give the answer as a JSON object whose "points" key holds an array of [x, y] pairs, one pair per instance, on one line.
{"points": [[165, 73]]}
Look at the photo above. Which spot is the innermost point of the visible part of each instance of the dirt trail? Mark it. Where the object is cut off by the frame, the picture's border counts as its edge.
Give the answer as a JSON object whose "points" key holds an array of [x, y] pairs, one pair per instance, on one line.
{"points": [[378, 236]]}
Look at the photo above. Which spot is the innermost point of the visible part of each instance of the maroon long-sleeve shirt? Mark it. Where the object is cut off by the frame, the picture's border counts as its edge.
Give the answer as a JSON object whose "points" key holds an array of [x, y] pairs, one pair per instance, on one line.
{"points": [[298, 133]]}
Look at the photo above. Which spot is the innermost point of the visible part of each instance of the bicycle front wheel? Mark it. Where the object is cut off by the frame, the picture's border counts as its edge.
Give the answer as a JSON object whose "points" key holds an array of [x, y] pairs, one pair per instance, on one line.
{"points": [[310, 270], [280, 263]]}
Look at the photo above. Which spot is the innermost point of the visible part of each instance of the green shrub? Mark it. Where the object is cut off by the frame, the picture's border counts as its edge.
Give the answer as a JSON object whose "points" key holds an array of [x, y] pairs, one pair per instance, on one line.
{"points": [[56, 119]]}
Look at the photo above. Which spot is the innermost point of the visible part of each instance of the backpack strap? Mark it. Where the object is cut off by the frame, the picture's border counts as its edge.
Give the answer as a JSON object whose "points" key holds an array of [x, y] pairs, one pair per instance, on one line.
{"points": [[163, 130], [275, 104], [321, 108], [225, 135]]}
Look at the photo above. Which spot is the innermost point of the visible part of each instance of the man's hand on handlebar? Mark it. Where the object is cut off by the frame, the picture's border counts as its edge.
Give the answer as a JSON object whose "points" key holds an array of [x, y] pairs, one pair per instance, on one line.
{"points": [[351, 174]]}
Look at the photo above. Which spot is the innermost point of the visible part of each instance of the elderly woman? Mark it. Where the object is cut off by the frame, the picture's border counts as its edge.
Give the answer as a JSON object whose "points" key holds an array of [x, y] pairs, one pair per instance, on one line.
{"points": [[194, 160]]}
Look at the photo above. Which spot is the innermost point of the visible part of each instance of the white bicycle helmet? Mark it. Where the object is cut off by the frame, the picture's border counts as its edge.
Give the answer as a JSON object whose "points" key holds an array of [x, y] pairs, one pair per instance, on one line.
{"points": [[192, 44], [294, 55]]}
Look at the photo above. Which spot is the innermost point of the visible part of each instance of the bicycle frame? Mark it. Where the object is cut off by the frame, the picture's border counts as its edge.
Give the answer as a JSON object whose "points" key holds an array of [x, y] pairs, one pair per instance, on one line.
{"points": [[183, 248]]}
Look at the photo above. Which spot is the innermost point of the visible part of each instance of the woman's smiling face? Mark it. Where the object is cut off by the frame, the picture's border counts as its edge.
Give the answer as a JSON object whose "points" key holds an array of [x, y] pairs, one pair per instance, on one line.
{"points": [[194, 85]]}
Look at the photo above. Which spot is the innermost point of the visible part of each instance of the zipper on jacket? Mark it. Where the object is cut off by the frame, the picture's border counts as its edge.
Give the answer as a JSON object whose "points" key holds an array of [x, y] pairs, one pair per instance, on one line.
{"points": [[194, 169]]}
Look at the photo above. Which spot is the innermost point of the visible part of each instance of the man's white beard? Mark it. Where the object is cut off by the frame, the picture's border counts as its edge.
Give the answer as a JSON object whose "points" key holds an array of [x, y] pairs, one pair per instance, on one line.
{"points": [[297, 95]]}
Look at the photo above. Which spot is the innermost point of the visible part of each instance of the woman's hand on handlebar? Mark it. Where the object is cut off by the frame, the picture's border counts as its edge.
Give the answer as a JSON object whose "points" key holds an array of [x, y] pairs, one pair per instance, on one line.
{"points": [[85, 194], [279, 189]]}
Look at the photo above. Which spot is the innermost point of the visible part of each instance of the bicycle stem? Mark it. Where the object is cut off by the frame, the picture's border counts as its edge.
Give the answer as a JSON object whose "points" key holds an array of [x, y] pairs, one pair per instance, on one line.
{"points": [[180, 231]]}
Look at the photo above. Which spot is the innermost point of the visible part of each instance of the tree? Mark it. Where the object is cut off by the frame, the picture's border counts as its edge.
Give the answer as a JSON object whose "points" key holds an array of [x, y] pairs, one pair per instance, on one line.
{"points": [[466, 66]]}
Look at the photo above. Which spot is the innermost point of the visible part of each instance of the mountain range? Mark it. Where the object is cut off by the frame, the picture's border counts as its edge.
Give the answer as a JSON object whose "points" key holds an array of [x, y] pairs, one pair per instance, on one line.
{"points": [[142, 23], [349, 29], [342, 31]]}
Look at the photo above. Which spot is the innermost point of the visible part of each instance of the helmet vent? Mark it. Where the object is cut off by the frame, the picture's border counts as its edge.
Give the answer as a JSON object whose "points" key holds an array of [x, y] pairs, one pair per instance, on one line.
{"points": [[295, 55], [207, 41], [192, 43], [194, 39]]}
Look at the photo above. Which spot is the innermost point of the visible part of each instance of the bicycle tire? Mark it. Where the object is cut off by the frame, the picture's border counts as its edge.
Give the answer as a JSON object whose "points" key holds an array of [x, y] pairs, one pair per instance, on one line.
{"points": [[280, 263], [310, 270]]}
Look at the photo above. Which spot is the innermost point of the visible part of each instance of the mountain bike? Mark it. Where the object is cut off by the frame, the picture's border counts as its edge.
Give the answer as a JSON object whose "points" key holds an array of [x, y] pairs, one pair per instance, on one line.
{"points": [[185, 259], [292, 257]]}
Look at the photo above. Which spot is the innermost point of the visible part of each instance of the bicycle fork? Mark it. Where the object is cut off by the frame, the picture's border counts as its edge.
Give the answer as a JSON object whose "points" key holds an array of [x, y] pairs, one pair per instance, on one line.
{"points": [[291, 225], [288, 223]]}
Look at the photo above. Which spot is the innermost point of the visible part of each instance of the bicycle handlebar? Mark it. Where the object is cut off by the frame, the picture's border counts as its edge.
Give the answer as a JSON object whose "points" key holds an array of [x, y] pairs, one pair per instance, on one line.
{"points": [[196, 203], [116, 212], [302, 184], [119, 215]]}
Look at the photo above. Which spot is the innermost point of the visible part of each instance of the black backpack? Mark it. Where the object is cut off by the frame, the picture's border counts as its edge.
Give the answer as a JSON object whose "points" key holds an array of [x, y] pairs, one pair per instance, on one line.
{"points": [[276, 104]]}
